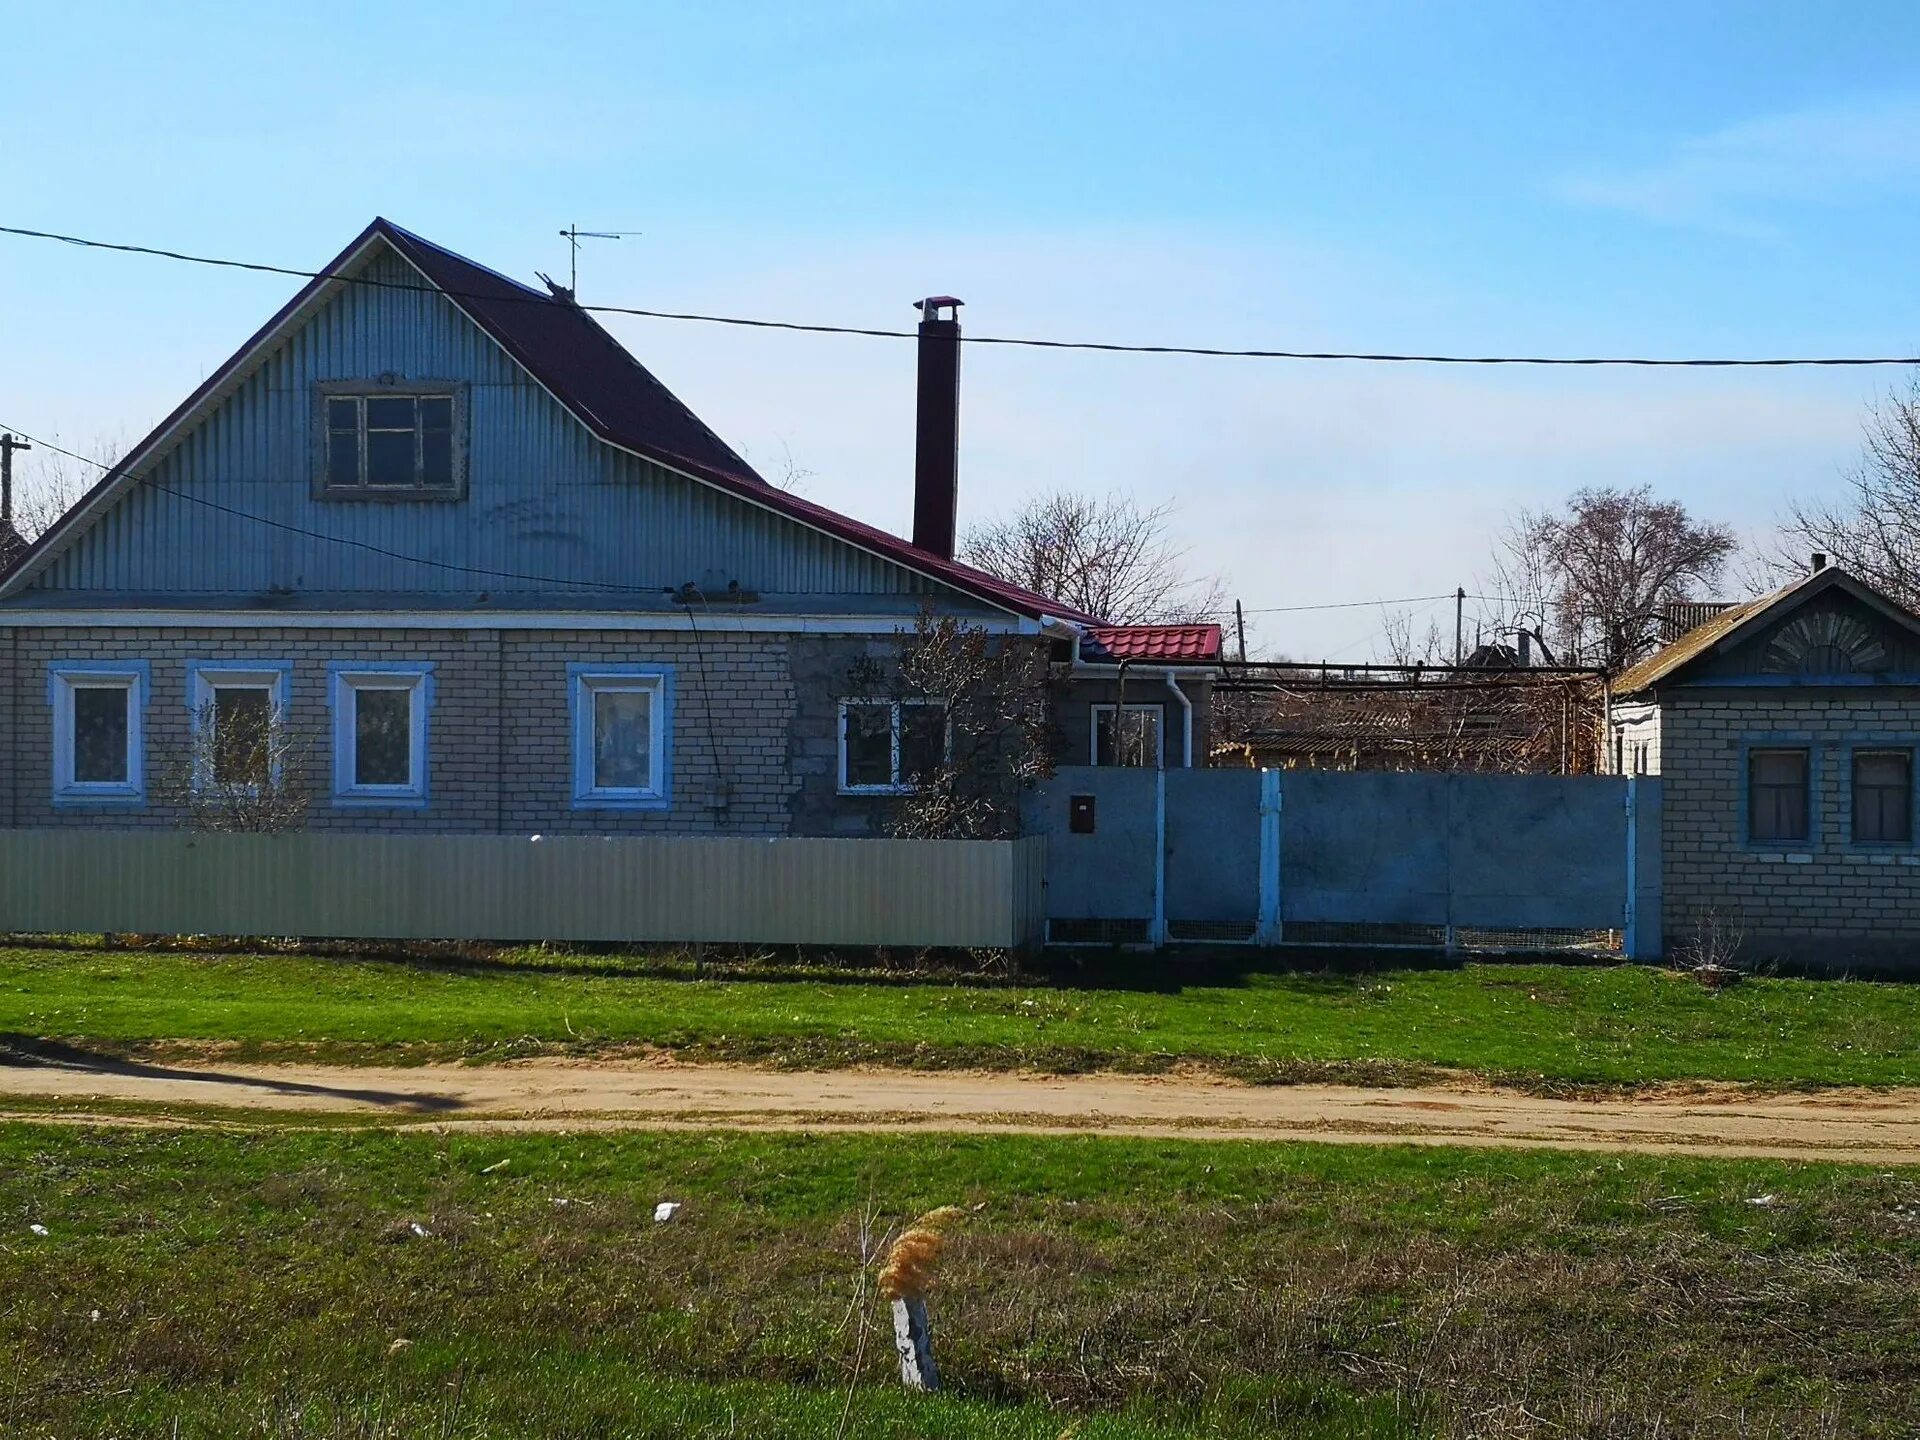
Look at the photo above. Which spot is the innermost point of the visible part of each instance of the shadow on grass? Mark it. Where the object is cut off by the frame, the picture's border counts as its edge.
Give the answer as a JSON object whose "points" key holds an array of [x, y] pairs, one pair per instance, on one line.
{"points": [[33, 1052]]}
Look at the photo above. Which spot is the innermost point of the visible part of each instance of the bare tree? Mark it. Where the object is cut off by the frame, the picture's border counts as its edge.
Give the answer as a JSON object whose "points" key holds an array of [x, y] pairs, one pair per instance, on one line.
{"points": [[987, 736], [1111, 558], [1407, 646], [48, 483], [1595, 575], [244, 771], [1874, 529]]}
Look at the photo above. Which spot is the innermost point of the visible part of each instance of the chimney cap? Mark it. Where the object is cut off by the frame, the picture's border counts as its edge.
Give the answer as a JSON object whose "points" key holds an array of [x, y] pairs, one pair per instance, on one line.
{"points": [[933, 303], [1819, 561]]}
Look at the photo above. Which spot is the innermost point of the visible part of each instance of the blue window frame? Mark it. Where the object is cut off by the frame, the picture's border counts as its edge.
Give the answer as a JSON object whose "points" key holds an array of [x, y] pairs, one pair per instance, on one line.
{"points": [[1881, 794], [622, 735], [380, 709], [1780, 795], [99, 731]]}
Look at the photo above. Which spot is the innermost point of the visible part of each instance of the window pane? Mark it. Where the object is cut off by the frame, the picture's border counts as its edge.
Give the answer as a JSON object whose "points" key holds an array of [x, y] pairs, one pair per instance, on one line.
{"points": [[869, 744], [622, 739], [242, 726], [1139, 738], [343, 414], [382, 737], [385, 412], [343, 457], [390, 457], [100, 734], [1883, 796], [1777, 796], [436, 413], [436, 459], [923, 741]]}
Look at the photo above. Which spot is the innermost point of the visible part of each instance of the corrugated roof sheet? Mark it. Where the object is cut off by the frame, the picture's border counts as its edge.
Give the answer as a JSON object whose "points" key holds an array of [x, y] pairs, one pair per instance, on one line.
{"points": [[1173, 644]]}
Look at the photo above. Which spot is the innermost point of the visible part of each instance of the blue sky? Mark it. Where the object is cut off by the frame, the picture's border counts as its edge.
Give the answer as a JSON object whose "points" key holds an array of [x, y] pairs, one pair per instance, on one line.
{"points": [[1651, 178]]}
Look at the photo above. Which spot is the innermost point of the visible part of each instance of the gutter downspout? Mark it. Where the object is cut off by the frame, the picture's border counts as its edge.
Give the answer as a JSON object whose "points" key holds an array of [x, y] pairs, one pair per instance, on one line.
{"points": [[1186, 719]]}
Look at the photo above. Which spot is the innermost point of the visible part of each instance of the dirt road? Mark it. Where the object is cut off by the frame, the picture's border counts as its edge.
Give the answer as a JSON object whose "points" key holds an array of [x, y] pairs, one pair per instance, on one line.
{"points": [[1876, 1127]]}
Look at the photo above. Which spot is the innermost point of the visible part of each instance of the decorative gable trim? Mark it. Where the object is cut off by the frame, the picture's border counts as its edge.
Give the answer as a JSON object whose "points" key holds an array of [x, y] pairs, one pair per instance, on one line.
{"points": [[1733, 628]]}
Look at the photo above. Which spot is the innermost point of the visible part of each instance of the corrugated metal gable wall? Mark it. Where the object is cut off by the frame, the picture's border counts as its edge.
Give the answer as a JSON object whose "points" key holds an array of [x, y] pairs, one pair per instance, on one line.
{"points": [[544, 497]]}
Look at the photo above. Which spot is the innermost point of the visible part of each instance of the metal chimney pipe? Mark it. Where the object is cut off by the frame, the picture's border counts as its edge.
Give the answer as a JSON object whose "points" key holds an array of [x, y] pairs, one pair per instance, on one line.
{"points": [[1819, 562], [936, 441]]}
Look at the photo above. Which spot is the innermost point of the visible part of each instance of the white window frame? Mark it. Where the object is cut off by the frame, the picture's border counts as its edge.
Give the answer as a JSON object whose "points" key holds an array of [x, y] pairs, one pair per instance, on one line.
{"points": [[897, 785], [63, 678], [345, 679], [1159, 713], [204, 677], [584, 682]]}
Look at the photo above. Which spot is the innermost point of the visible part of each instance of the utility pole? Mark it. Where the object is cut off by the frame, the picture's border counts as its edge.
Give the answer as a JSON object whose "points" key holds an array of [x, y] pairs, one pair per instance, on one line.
{"points": [[8, 444], [1240, 624], [1459, 629]]}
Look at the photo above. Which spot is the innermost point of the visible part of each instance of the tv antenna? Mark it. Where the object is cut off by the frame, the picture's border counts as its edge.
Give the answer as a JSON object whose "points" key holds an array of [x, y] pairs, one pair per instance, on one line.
{"points": [[573, 235]]}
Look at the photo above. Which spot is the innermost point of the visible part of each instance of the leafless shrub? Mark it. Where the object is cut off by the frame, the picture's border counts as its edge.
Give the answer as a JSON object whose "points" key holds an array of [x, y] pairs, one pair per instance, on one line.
{"points": [[241, 773], [991, 692], [1712, 949]]}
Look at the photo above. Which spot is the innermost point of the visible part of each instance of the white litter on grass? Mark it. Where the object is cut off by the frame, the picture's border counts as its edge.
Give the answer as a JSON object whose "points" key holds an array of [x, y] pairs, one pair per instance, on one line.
{"points": [[93, 1317], [497, 1165], [1761, 1199], [40, 1230], [420, 1230], [664, 1211]]}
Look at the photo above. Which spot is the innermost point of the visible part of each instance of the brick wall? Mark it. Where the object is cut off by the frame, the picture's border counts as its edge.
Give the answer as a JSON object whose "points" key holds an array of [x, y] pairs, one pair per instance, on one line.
{"points": [[1830, 903], [499, 730]]}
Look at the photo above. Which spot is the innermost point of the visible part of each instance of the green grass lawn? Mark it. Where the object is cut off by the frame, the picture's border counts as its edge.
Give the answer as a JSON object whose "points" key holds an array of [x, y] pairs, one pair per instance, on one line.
{"points": [[207, 1284], [1531, 1024]]}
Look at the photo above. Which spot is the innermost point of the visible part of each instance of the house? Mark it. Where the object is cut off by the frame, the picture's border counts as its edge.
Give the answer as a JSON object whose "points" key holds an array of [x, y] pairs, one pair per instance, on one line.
{"points": [[492, 576], [1784, 733]]}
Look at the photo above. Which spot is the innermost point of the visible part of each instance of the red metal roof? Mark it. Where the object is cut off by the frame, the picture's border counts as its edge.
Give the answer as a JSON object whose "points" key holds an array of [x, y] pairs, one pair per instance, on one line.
{"points": [[613, 394], [1172, 644]]}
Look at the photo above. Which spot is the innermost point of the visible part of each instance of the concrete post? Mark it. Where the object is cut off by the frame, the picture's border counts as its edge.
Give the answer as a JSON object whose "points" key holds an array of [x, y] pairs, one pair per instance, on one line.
{"points": [[1630, 924], [914, 1341], [1158, 935], [1267, 930]]}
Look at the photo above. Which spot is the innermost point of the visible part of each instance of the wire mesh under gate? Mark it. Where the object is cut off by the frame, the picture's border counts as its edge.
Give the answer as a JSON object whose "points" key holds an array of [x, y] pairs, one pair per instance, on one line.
{"points": [[1490, 863]]}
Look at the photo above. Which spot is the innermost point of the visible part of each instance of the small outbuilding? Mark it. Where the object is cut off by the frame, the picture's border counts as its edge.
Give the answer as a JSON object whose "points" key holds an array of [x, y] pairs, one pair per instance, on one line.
{"points": [[1785, 731]]}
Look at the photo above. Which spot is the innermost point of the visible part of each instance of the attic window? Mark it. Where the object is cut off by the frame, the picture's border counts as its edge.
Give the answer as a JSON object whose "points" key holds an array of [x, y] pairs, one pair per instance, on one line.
{"points": [[393, 443]]}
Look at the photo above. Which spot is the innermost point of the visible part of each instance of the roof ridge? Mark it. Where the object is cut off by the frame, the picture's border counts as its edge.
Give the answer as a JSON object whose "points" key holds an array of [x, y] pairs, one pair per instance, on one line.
{"points": [[383, 225]]}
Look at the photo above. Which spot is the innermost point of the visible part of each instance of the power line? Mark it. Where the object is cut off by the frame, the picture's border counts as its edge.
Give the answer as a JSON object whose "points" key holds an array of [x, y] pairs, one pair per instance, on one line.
{"points": [[559, 580], [337, 539], [1028, 342]]}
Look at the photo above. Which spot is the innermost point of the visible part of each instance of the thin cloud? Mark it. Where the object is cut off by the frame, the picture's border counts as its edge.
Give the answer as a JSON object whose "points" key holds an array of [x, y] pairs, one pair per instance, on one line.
{"points": [[1735, 180]]}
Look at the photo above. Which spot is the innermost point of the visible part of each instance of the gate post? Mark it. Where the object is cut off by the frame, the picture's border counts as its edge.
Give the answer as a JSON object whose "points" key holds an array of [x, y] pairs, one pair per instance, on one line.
{"points": [[1630, 923], [1267, 928], [1158, 934]]}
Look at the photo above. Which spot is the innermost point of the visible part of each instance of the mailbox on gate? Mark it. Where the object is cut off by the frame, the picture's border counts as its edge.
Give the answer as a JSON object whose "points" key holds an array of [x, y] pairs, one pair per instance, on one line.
{"points": [[1080, 814]]}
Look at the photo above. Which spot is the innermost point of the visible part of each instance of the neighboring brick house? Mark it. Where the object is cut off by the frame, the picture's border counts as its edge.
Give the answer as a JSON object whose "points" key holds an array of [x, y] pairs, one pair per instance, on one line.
{"points": [[1785, 733], [495, 577]]}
